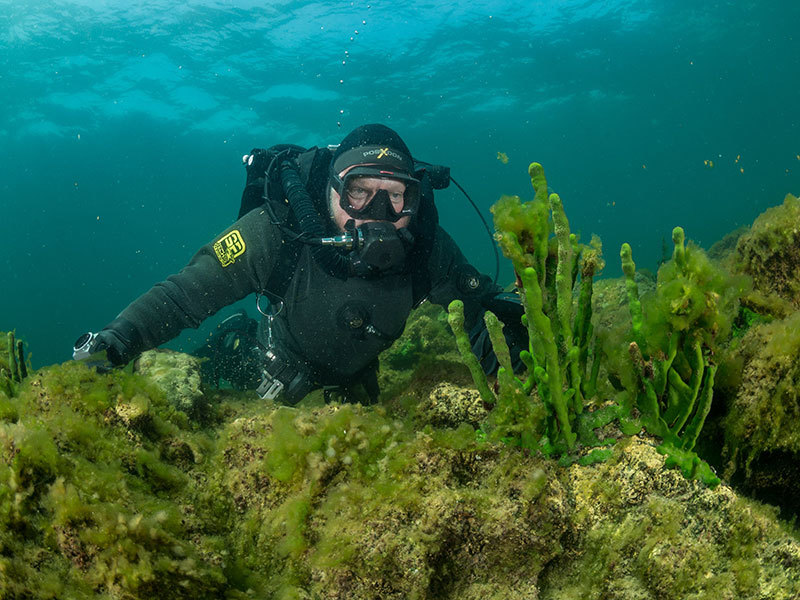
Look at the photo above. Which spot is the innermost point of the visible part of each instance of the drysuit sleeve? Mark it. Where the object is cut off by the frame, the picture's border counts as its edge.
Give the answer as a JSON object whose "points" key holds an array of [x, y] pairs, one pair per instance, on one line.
{"points": [[452, 277], [235, 264]]}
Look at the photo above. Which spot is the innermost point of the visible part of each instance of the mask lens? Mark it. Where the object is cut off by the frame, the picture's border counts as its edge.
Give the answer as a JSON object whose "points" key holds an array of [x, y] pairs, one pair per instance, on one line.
{"points": [[365, 197], [357, 195]]}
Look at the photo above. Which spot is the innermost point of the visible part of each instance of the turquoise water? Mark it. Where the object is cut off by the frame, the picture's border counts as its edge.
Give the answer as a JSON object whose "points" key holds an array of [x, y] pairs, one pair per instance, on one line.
{"points": [[123, 124]]}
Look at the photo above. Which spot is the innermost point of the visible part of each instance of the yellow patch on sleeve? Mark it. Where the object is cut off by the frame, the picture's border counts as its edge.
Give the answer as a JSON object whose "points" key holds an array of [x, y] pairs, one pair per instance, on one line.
{"points": [[229, 247]]}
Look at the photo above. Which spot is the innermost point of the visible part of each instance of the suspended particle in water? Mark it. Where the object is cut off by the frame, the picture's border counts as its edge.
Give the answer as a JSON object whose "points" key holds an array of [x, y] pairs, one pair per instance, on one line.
{"points": [[338, 123], [363, 22], [341, 81], [341, 112]]}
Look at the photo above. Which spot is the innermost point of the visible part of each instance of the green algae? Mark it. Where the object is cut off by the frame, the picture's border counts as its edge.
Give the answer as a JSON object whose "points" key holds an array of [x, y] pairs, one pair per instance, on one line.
{"points": [[342, 501], [89, 507], [110, 492], [770, 253], [676, 331], [545, 410], [647, 533]]}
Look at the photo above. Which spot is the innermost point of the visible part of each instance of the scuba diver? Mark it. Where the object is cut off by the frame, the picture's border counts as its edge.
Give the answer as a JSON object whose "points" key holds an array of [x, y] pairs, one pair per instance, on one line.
{"points": [[339, 244]]}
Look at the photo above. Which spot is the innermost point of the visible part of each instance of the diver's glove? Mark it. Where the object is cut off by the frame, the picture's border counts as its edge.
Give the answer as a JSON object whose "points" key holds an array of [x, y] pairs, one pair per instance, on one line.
{"points": [[508, 308], [115, 345], [256, 164]]}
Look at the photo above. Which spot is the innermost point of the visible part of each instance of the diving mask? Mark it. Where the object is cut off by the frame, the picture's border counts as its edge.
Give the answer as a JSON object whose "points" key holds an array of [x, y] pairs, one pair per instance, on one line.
{"points": [[361, 197]]}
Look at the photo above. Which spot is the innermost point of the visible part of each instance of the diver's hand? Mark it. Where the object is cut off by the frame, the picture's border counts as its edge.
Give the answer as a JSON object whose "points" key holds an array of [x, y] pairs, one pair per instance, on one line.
{"points": [[508, 308], [117, 344], [255, 164]]}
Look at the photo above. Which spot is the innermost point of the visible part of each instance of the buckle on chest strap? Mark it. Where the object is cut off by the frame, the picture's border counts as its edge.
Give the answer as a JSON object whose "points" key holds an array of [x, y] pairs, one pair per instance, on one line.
{"points": [[279, 375], [269, 388]]}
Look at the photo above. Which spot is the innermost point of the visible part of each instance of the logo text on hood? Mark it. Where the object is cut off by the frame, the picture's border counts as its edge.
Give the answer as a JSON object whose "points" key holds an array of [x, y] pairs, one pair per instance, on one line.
{"points": [[381, 152]]}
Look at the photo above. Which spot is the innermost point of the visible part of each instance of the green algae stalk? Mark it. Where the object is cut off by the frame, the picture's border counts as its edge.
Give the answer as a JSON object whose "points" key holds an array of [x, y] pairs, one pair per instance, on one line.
{"points": [[23, 367], [499, 345], [634, 304], [13, 365], [703, 408], [544, 350], [539, 184], [679, 254], [563, 269], [455, 317], [564, 279]]}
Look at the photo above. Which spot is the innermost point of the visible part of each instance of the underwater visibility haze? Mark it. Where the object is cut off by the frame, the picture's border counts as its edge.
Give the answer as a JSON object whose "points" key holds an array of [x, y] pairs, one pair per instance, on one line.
{"points": [[124, 123]]}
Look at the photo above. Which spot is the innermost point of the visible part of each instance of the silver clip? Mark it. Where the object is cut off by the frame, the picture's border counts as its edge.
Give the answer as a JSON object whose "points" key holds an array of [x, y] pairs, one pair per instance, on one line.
{"points": [[269, 388]]}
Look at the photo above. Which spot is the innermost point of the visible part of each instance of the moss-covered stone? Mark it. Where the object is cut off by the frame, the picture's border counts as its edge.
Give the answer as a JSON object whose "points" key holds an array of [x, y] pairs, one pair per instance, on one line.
{"points": [[178, 376], [424, 356], [89, 506], [345, 502], [770, 254], [449, 405], [762, 427], [642, 532], [109, 492]]}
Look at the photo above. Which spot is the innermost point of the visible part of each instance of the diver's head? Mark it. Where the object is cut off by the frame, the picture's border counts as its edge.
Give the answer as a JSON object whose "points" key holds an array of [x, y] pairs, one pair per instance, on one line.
{"points": [[372, 179]]}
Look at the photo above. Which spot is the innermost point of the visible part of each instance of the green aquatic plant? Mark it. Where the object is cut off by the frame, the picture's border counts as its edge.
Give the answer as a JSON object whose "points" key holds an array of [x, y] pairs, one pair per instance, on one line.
{"points": [[676, 332], [94, 490], [769, 252], [13, 365], [665, 383], [547, 409]]}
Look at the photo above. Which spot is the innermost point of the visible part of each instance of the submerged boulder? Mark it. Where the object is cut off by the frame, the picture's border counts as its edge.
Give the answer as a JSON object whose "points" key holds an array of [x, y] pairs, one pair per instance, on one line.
{"points": [[762, 426], [109, 492], [770, 253], [178, 375]]}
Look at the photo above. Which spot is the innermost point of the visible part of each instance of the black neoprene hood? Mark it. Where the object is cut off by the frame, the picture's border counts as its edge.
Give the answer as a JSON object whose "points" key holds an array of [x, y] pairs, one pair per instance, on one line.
{"points": [[377, 146]]}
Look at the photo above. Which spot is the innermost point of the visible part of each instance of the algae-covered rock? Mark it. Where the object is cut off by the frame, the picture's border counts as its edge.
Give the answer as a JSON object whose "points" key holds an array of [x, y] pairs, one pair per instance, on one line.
{"points": [[639, 531], [91, 505], [421, 358], [347, 503], [178, 376], [762, 428], [108, 492], [770, 254], [449, 405], [344, 502]]}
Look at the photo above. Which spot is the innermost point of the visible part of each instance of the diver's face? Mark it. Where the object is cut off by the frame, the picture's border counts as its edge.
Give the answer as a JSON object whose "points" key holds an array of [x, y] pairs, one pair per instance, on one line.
{"points": [[360, 192]]}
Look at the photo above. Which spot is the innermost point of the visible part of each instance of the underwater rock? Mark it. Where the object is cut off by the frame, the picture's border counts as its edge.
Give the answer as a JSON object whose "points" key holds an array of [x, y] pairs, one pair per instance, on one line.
{"points": [[421, 358], [640, 531], [177, 375], [91, 503], [762, 427], [347, 502], [610, 300], [449, 405], [342, 502], [770, 254]]}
